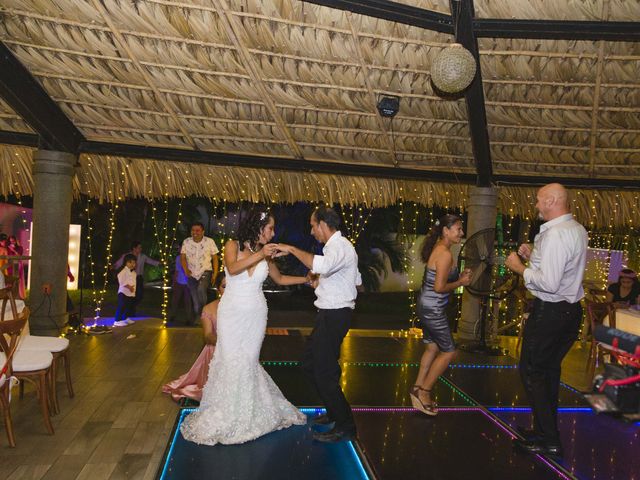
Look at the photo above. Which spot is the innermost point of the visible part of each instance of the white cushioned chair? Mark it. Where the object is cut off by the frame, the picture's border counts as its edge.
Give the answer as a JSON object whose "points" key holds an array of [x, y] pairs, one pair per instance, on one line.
{"points": [[58, 347], [32, 366]]}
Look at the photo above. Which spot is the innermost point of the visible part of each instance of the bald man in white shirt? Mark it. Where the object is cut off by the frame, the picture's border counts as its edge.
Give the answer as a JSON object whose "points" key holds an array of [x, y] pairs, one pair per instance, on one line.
{"points": [[336, 291], [554, 277]]}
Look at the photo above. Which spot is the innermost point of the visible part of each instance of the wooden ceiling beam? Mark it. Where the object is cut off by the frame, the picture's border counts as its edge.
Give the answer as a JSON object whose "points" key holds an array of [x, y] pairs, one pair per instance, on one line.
{"points": [[474, 95], [24, 94], [393, 12], [491, 27], [19, 139], [557, 29]]}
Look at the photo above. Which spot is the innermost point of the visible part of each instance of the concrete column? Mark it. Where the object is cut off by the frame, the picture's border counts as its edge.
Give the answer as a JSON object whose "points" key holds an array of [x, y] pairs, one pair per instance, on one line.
{"points": [[481, 213], [52, 195]]}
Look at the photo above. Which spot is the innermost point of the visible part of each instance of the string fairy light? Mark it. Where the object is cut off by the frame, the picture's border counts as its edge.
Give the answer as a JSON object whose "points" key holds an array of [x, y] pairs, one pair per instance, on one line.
{"points": [[402, 235], [25, 225], [222, 227], [411, 287], [165, 242], [99, 295], [92, 271]]}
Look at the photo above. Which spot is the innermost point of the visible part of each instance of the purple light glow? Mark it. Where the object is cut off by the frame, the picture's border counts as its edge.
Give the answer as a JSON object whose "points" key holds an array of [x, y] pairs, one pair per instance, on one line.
{"points": [[411, 409], [552, 466], [486, 413]]}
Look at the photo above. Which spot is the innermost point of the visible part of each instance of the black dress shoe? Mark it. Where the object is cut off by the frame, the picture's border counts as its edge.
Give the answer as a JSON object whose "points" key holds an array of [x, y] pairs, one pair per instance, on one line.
{"points": [[539, 447], [335, 435], [322, 420]]}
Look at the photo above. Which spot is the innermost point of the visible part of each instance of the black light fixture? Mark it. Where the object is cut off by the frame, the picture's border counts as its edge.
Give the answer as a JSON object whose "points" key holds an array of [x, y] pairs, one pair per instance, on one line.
{"points": [[388, 106]]}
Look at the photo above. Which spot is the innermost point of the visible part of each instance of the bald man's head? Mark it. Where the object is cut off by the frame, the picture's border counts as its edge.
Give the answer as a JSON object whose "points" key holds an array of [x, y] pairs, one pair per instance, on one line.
{"points": [[553, 201]]}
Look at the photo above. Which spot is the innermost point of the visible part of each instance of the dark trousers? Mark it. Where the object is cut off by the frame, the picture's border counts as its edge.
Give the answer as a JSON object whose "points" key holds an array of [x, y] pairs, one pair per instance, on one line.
{"points": [[548, 335], [180, 293], [320, 363], [139, 294], [198, 290], [124, 307]]}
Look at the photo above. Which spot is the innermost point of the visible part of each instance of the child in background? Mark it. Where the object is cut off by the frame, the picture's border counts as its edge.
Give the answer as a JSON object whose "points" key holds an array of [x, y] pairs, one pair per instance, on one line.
{"points": [[126, 291]]}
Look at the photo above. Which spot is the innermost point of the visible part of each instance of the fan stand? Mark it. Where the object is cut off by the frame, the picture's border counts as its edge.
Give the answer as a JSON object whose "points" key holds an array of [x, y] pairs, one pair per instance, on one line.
{"points": [[482, 347]]}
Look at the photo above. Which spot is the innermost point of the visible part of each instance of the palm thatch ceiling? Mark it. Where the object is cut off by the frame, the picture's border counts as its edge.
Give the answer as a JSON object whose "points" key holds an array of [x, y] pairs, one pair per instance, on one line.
{"points": [[293, 83]]}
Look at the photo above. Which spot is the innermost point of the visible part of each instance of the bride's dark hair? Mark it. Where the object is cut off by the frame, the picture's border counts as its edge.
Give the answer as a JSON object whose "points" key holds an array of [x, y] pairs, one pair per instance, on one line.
{"points": [[251, 225], [435, 233]]}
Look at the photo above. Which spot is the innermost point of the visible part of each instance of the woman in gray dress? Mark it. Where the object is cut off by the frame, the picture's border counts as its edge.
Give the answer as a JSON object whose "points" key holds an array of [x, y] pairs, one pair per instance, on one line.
{"points": [[440, 279]]}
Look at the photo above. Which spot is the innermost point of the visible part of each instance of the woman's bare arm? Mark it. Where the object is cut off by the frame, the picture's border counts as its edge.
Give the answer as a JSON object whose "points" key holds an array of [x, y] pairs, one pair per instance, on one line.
{"points": [[209, 327], [235, 265], [443, 263], [280, 279]]}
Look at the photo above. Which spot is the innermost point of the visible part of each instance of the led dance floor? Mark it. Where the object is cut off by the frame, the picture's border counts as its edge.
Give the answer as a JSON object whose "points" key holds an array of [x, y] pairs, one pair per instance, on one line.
{"points": [[481, 402]]}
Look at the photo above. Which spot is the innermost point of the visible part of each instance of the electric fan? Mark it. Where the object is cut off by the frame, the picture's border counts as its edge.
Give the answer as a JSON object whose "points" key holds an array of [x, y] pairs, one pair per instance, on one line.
{"points": [[490, 278]]}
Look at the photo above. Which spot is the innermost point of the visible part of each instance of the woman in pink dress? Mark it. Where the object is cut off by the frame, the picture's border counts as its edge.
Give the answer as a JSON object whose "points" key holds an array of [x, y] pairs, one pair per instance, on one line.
{"points": [[190, 384]]}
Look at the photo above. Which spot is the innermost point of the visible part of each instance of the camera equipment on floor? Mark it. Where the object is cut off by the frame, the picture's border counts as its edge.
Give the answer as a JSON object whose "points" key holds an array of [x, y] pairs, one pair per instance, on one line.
{"points": [[617, 389], [617, 339]]}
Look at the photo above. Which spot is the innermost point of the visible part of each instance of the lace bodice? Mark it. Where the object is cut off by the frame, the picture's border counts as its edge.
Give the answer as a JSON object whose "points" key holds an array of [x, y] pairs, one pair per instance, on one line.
{"points": [[243, 283]]}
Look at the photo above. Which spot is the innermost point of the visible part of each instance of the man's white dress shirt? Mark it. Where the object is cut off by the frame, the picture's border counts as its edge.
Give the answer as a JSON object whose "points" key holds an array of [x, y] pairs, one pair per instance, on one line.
{"points": [[557, 262], [339, 275]]}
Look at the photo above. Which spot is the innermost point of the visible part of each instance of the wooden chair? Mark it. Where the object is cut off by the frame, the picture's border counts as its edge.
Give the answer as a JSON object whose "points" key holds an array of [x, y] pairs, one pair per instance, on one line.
{"points": [[34, 367], [598, 295], [8, 300], [13, 282], [597, 312], [58, 347], [11, 329]]}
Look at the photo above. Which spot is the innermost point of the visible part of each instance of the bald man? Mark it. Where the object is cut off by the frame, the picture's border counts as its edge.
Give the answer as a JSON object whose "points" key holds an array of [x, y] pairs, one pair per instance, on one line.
{"points": [[554, 276]]}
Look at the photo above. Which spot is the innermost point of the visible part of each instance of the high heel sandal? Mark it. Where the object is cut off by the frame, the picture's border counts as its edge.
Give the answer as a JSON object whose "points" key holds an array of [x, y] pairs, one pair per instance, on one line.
{"points": [[426, 408]]}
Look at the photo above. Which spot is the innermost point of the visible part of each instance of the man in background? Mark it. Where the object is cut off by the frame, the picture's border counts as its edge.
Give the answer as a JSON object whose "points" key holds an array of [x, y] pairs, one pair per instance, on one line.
{"points": [[199, 258]]}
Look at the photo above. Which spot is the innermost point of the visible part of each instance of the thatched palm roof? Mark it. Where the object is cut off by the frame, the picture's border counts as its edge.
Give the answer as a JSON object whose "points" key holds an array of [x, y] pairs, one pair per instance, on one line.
{"points": [[294, 80]]}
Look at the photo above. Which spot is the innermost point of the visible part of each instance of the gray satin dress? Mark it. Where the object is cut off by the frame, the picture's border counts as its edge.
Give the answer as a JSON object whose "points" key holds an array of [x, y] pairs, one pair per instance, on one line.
{"points": [[432, 311]]}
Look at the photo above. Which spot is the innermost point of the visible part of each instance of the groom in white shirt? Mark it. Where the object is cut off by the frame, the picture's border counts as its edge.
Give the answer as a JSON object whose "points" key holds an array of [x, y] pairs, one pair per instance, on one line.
{"points": [[336, 293]]}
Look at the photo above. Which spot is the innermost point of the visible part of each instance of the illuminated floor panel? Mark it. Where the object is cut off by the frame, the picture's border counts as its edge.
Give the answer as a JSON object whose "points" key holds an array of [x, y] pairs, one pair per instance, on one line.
{"points": [[460, 443], [285, 454], [363, 386], [501, 387]]}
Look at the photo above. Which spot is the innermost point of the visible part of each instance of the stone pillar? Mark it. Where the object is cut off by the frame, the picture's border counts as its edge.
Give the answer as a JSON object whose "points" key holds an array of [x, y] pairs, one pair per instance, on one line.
{"points": [[52, 195], [481, 213]]}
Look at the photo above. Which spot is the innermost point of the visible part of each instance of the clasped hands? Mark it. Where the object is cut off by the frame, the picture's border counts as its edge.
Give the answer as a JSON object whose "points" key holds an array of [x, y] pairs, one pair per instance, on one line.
{"points": [[275, 250]]}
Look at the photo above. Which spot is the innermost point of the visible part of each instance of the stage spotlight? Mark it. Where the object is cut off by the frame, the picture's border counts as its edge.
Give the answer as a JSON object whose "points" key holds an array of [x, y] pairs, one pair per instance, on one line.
{"points": [[388, 106]]}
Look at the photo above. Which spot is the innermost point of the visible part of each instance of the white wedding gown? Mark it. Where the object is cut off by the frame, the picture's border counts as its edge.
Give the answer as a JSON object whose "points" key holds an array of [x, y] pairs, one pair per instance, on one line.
{"points": [[240, 401]]}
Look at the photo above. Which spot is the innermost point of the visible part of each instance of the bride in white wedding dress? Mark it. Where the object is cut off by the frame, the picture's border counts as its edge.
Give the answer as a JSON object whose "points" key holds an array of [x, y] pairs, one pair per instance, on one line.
{"points": [[240, 401]]}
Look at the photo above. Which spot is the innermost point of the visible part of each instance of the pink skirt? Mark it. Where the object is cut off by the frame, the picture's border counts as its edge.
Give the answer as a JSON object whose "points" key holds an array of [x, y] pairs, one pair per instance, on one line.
{"points": [[190, 384]]}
